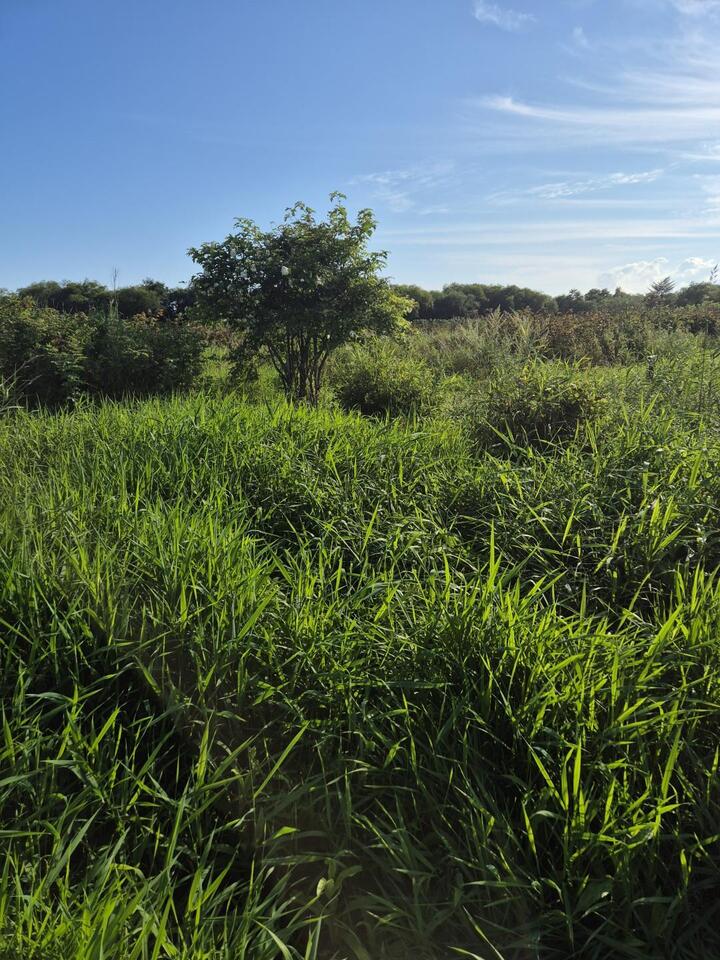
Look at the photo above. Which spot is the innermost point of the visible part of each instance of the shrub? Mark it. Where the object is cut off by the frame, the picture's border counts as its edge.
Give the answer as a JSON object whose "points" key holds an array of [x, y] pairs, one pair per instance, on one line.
{"points": [[132, 301], [141, 356], [51, 357], [476, 347], [376, 379], [600, 336], [41, 351], [544, 402], [471, 348]]}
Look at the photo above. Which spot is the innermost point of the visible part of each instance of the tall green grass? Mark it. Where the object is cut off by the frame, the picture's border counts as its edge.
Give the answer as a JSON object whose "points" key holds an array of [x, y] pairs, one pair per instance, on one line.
{"points": [[280, 683]]}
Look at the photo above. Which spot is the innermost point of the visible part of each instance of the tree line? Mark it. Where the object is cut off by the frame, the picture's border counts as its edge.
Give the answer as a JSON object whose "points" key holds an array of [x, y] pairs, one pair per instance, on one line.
{"points": [[476, 299], [456, 300], [151, 297]]}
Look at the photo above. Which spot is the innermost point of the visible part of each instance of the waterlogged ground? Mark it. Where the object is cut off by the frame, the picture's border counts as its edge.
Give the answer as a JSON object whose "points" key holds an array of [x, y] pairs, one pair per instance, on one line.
{"points": [[279, 683]]}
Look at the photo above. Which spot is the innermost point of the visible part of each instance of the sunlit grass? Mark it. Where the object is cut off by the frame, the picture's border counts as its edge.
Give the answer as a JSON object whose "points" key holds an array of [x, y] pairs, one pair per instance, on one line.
{"points": [[280, 683]]}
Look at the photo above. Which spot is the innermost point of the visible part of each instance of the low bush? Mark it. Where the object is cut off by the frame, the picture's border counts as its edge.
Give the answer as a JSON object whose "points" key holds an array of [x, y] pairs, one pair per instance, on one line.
{"points": [[141, 356], [377, 379], [41, 351], [543, 403], [602, 337], [51, 357]]}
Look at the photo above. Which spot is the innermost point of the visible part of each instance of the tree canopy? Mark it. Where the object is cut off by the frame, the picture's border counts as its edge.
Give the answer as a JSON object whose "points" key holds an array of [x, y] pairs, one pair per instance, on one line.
{"points": [[472, 300], [298, 291], [151, 297]]}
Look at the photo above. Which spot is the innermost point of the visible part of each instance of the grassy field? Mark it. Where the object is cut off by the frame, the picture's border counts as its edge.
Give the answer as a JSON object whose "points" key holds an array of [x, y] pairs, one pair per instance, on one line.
{"points": [[291, 683]]}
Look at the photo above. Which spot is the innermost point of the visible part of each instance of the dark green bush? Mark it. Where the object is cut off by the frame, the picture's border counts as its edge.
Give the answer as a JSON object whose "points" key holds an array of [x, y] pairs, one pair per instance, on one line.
{"points": [[51, 357], [377, 379], [42, 350], [141, 356], [131, 301], [543, 403]]}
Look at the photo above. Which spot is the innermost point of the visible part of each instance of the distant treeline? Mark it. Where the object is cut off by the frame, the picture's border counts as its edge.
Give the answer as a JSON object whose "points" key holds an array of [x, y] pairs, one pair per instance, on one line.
{"points": [[456, 300], [476, 299], [151, 297]]}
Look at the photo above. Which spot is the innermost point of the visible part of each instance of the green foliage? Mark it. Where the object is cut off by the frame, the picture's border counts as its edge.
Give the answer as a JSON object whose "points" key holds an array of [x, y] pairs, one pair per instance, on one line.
{"points": [[379, 378], [297, 292], [661, 292], [151, 297], [422, 300], [140, 357], [280, 682], [83, 296], [42, 351], [599, 301], [698, 293], [50, 357], [600, 336], [462, 300], [475, 348], [466, 300], [543, 403], [475, 299], [131, 301], [478, 346]]}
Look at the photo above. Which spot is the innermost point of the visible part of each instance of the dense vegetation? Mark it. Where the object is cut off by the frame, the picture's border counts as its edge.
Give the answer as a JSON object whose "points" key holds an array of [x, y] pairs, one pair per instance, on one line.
{"points": [[476, 299], [151, 297], [455, 300], [281, 682], [421, 663], [50, 357]]}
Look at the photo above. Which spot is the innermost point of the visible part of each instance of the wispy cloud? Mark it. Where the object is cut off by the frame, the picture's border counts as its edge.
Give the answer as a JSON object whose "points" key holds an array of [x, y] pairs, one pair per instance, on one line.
{"points": [[580, 38], [651, 231], [703, 153], [403, 190], [503, 17], [637, 124], [697, 8], [668, 95], [711, 189], [567, 189]]}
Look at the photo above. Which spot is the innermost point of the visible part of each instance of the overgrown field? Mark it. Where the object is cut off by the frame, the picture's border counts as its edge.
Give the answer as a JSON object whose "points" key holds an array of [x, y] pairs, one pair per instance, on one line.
{"points": [[292, 683]]}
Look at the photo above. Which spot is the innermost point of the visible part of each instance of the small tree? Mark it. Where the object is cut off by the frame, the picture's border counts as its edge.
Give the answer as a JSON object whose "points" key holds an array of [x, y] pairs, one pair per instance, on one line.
{"points": [[298, 291], [660, 292]]}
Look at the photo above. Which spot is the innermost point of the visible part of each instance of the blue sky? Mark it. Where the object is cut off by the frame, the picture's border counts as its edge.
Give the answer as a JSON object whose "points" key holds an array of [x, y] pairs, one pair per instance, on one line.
{"points": [[549, 143]]}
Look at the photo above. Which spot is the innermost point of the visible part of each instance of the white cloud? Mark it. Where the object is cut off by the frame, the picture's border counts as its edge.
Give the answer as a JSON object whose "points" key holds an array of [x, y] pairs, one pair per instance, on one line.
{"points": [[652, 231], [433, 209], [573, 188], [696, 8], [502, 17], [703, 153], [580, 38], [624, 125], [638, 276], [711, 188], [664, 91], [401, 189], [694, 268]]}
